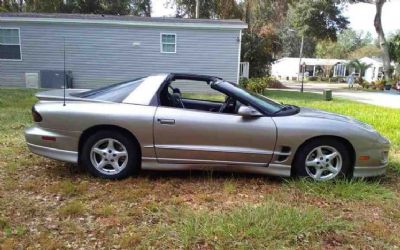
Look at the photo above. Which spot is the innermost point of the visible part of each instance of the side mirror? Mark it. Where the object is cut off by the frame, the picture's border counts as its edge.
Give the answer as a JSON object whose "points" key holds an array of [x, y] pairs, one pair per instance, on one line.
{"points": [[247, 111]]}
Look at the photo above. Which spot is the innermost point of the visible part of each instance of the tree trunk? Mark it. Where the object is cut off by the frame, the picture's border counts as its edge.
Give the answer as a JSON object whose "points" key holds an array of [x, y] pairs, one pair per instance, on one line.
{"points": [[382, 41], [21, 5]]}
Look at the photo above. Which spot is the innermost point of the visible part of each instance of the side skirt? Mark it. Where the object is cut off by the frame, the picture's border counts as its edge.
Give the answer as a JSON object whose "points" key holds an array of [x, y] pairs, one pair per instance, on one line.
{"points": [[272, 169]]}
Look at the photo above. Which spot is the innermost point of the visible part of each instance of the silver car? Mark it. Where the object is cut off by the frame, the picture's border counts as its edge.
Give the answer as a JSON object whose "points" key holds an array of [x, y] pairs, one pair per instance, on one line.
{"points": [[155, 123]]}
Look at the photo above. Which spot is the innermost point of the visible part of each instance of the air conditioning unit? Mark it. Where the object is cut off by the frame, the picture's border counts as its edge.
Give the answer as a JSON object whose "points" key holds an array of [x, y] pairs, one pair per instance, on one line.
{"points": [[54, 79]]}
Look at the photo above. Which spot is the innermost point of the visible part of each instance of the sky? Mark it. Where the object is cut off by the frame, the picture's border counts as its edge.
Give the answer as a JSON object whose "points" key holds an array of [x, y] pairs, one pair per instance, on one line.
{"points": [[159, 9], [361, 15]]}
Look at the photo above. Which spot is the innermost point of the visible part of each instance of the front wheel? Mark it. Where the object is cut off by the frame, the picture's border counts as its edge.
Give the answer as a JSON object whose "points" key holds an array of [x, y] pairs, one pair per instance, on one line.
{"points": [[110, 155], [323, 159]]}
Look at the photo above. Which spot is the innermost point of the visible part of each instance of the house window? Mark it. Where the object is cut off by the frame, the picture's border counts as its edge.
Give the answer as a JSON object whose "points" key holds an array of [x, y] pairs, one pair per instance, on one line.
{"points": [[168, 43], [10, 44]]}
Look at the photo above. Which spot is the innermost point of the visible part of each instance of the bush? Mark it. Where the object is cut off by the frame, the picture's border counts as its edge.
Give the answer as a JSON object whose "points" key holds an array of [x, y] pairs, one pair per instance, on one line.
{"points": [[258, 84], [380, 84], [243, 82], [275, 84], [364, 84], [324, 79], [312, 78], [333, 79]]}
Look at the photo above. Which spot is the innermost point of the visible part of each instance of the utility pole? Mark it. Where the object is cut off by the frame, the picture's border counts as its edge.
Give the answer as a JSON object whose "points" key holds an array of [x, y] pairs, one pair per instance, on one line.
{"points": [[301, 56], [302, 78], [197, 8]]}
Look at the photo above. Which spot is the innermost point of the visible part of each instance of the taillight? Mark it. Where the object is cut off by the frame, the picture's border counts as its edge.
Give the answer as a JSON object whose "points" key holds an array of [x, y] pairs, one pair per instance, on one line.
{"points": [[35, 115]]}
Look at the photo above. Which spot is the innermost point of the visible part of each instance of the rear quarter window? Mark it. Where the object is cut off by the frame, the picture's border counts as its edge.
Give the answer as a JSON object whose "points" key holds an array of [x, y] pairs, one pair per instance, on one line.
{"points": [[112, 93]]}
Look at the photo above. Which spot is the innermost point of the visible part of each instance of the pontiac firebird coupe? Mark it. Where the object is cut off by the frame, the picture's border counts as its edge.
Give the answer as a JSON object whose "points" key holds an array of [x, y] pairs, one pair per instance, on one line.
{"points": [[147, 123]]}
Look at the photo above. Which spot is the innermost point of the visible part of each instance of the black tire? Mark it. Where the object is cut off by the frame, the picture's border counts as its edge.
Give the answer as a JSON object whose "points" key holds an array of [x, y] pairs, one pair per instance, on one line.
{"points": [[299, 162], [133, 156]]}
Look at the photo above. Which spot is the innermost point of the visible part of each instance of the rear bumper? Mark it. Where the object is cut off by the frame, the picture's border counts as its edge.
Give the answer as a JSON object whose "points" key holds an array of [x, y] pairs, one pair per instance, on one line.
{"points": [[53, 153], [63, 146]]}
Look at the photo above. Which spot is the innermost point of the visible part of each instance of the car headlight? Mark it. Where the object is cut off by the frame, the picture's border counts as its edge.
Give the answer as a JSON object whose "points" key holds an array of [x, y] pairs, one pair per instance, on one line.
{"points": [[365, 126], [382, 139]]}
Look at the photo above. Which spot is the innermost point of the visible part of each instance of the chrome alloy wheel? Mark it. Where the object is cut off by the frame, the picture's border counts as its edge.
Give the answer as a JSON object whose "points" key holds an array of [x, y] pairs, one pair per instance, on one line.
{"points": [[109, 156], [323, 163]]}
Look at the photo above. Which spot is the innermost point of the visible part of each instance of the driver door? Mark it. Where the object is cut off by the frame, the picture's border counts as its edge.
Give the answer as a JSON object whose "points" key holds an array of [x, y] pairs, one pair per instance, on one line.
{"points": [[195, 136]]}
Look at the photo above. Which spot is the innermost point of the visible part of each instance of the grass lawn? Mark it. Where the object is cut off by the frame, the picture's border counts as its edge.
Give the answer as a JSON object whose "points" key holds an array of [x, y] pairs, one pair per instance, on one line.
{"points": [[49, 204]]}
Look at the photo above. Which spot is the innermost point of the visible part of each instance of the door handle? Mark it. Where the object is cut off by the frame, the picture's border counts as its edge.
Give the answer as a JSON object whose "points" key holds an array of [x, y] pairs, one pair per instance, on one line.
{"points": [[166, 121]]}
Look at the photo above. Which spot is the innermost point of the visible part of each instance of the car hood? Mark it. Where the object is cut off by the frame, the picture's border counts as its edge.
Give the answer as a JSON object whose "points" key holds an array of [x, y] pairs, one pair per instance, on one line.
{"points": [[316, 113]]}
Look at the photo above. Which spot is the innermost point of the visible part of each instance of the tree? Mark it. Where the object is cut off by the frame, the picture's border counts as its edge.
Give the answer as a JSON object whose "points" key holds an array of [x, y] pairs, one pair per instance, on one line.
{"points": [[329, 49], [11, 5], [281, 24], [257, 50], [44, 6], [291, 44], [369, 50], [381, 34], [320, 19], [261, 41], [360, 67], [111, 7], [347, 41], [269, 21], [222, 9], [394, 48], [141, 7]]}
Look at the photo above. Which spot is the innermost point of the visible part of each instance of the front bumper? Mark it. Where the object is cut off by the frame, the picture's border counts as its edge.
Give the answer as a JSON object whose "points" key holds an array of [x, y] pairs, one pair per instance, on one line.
{"points": [[64, 147], [377, 163], [369, 171]]}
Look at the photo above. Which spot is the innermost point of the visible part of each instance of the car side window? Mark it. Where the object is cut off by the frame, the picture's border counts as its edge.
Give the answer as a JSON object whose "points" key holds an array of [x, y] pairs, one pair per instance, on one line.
{"points": [[197, 95], [198, 90]]}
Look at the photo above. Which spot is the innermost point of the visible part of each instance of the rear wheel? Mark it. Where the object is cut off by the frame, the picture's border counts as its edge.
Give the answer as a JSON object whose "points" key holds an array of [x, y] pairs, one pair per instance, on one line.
{"points": [[111, 155], [323, 159]]}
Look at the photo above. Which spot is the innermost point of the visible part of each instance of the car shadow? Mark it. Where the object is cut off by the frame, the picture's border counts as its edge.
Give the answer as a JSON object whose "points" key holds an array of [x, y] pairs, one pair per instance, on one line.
{"points": [[206, 174], [67, 170]]}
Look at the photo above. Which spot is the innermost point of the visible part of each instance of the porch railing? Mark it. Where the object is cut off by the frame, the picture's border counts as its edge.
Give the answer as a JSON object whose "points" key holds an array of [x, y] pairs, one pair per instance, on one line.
{"points": [[244, 69]]}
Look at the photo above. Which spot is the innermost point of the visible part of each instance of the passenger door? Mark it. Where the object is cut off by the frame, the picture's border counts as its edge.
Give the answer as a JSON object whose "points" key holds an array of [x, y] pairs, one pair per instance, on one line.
{"points": [[193, 136]]}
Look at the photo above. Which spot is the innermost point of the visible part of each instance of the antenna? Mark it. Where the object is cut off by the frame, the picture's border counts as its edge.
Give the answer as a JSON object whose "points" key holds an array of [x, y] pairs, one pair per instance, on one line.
{"points": [[65, 80]]}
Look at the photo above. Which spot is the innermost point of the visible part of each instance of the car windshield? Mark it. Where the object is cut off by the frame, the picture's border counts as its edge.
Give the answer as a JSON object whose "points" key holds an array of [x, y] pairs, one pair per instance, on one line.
{"points": [[259, 100], [113, 93]]}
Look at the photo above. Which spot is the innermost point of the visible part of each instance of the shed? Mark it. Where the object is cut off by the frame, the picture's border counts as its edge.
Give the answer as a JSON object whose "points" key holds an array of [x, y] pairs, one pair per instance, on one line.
{"points": [[101, 49]]}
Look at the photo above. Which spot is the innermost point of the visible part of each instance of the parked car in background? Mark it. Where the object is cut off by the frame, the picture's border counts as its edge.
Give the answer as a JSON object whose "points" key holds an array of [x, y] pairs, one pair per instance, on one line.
{"points": [[148, 122]]}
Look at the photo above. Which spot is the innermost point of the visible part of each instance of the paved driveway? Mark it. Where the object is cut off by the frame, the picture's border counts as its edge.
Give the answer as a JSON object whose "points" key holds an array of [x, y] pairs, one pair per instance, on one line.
{"points": [[386, 99]]}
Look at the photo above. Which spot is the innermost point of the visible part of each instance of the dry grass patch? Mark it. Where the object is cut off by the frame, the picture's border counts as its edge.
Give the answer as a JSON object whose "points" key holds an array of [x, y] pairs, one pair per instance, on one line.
{"points": [[70, 188], [72, 208], [356, 189], [270, 224], [105, 210], [230, 186]]}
